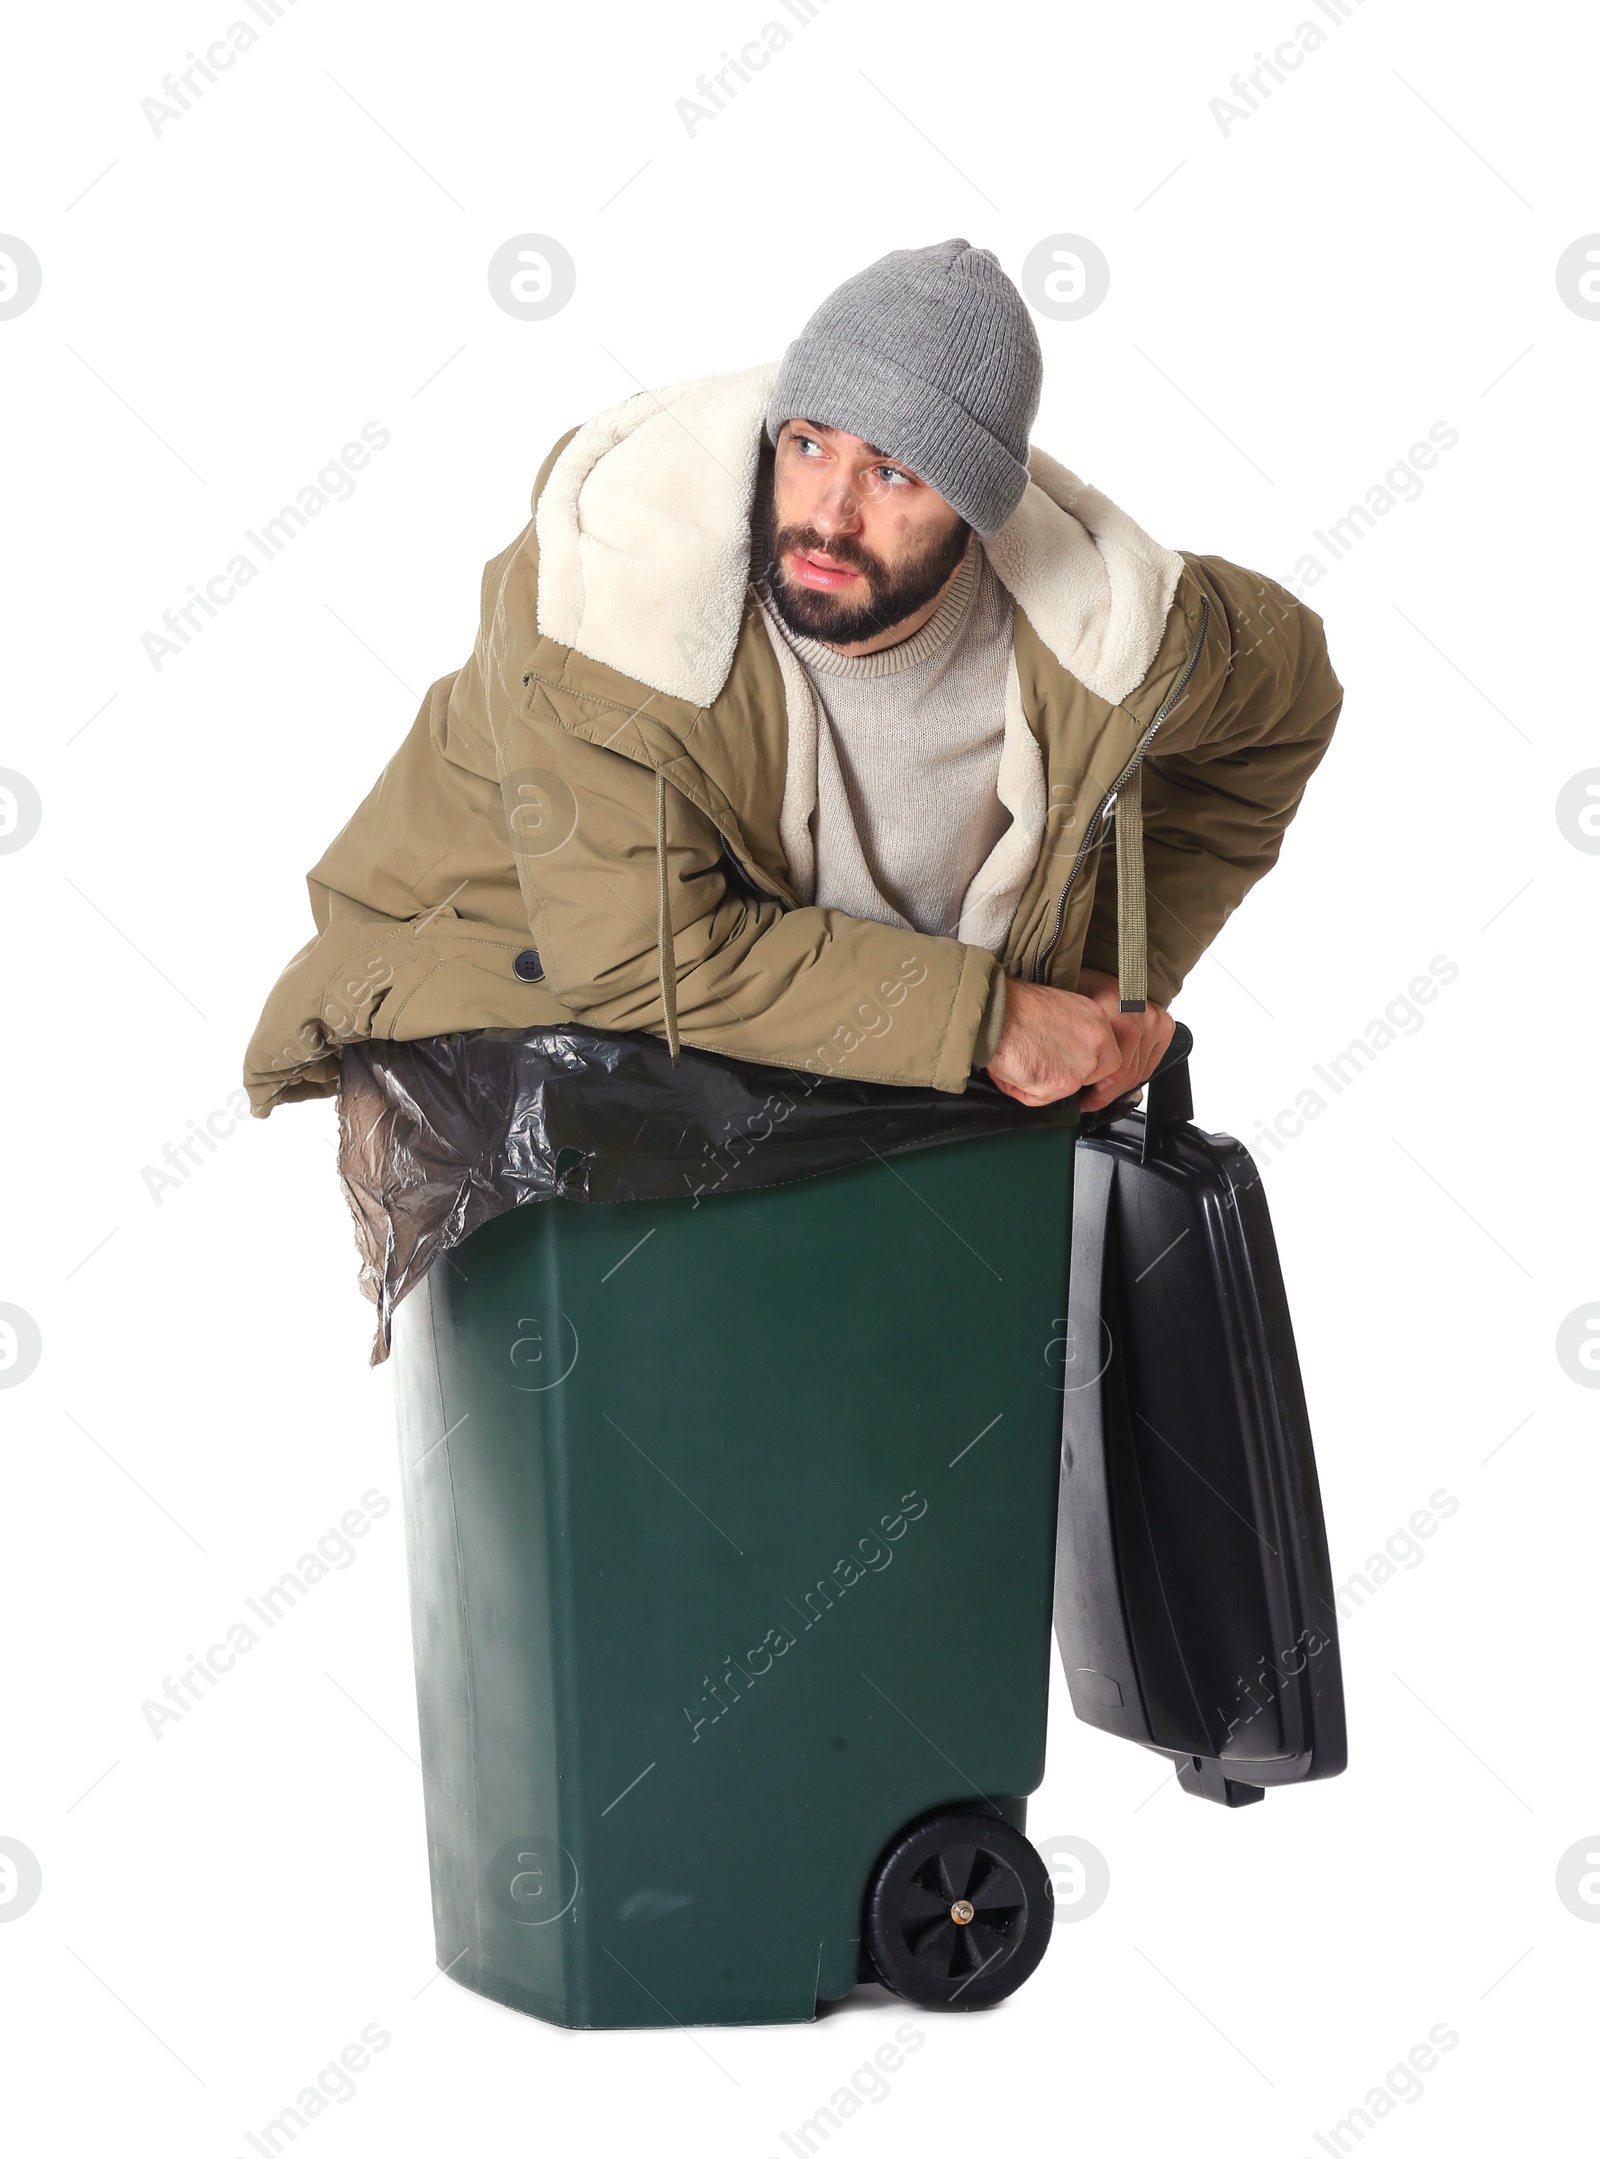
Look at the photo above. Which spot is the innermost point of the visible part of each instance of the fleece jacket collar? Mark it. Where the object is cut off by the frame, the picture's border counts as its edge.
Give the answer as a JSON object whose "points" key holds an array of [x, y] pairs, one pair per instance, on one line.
{"points": [[643, 529]]}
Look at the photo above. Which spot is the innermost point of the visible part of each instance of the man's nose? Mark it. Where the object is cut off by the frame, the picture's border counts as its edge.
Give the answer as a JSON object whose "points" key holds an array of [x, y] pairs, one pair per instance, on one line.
{"points": [[838, 510]]}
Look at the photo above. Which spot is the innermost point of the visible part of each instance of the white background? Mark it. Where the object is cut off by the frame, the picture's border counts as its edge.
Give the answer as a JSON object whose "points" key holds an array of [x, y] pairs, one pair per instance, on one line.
{"points": [[1293, 303]]}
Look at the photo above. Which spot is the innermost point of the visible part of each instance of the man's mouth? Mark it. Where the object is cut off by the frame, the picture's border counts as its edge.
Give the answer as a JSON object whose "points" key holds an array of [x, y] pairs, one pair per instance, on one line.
{"points": [[823, 573]]}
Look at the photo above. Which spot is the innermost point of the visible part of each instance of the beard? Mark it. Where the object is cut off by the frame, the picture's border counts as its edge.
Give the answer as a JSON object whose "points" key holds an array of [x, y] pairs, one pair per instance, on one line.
{"points": [[892, 595]]}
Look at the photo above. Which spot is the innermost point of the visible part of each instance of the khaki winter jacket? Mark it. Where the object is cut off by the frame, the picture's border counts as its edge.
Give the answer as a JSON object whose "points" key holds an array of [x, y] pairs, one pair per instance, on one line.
{"points": [[604, 815]]}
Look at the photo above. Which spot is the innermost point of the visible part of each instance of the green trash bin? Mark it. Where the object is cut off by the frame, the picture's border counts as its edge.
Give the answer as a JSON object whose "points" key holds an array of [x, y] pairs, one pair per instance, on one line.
{"points": [[731, 1533]]}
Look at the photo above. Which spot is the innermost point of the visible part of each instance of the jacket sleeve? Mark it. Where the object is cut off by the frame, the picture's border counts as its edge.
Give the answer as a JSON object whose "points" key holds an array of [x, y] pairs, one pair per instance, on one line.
{"points": [[750, 976], [1226, 772], [418, 916], [805, 987]]}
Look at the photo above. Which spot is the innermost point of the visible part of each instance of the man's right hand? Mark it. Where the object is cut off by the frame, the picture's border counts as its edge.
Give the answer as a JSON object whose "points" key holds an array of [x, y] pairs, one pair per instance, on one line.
{"points": [[1053, 1042]]}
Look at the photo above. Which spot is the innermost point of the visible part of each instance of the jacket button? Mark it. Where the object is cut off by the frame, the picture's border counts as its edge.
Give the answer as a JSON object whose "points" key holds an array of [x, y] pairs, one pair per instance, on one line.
{"points": [[528, 967]]}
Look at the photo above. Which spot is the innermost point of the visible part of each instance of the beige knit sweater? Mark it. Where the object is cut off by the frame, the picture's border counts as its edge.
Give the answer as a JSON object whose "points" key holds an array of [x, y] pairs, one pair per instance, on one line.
{"points": [[908, 753]]}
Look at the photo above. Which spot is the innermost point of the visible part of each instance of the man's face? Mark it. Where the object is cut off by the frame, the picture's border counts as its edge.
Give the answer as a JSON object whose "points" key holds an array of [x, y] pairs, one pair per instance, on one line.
{"points": [[859, 543]]}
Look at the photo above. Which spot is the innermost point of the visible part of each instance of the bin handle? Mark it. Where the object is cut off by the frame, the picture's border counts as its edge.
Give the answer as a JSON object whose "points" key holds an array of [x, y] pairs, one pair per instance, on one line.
{"points": [[1168, 1099]]}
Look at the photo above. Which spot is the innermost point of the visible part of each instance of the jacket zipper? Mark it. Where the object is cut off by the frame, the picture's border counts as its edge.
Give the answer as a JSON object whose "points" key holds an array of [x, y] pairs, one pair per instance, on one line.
{"points": [[1092, 837]]}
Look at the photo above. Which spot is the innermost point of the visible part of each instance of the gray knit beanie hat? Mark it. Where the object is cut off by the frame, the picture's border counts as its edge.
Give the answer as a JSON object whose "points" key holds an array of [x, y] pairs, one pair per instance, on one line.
{"points": [[931, 355]]}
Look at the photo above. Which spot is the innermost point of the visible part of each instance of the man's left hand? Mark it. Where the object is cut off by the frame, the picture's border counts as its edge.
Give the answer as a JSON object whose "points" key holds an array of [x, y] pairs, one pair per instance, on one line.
{"points": [[1143, 1035]]}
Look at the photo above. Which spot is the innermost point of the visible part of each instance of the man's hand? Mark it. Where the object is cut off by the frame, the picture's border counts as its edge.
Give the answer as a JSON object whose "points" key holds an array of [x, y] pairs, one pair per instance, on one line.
{"points": [[1144, 1036], [1054, 1043]]}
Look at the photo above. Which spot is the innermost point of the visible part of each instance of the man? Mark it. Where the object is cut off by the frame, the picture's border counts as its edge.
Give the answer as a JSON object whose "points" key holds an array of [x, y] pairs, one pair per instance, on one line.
{"points": [[816, 720]]}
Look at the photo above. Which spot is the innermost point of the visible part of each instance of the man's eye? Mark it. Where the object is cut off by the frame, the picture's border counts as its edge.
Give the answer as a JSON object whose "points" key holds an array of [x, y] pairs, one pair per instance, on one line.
{"points": [[893, 472]]}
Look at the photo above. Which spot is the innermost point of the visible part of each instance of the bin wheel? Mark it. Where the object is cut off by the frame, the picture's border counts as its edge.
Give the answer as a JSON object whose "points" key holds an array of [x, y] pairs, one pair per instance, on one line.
{"points": [[958, 1912]]}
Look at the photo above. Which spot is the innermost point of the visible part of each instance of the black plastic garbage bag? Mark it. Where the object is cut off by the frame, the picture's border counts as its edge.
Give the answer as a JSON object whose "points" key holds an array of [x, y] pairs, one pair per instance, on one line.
{"points": [[438, 1137]]}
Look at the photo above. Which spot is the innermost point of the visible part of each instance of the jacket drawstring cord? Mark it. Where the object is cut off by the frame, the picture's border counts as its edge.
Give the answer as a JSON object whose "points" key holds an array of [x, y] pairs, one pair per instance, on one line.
{"points": [[1132, 940], [666, 953]]}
